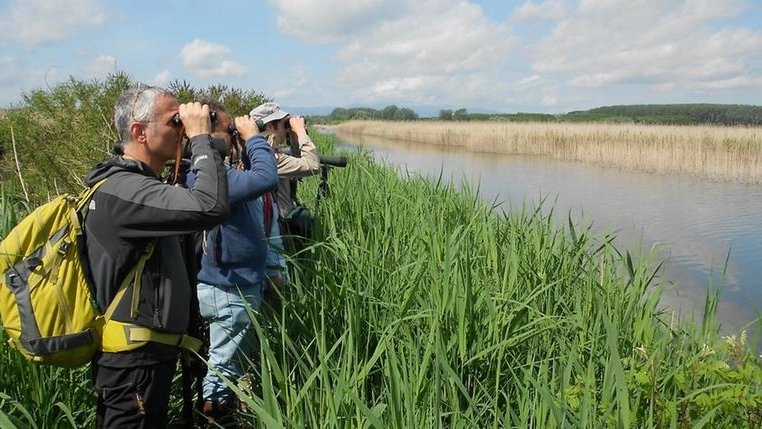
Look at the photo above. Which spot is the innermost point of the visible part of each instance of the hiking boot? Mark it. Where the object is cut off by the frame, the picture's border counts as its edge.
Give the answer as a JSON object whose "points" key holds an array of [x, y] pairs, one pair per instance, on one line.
{"points": [[220, 415]]}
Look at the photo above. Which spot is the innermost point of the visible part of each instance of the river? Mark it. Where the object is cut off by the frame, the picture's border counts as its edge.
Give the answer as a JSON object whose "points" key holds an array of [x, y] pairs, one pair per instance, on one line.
{"points": [[708, 233]]}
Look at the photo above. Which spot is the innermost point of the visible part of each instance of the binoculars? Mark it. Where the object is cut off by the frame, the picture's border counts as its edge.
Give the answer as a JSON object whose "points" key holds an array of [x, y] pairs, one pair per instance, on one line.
{"points": [[177, 121]]}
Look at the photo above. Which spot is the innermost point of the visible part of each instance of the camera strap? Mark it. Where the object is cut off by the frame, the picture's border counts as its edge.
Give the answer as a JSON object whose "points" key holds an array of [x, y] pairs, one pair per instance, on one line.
{"points": [[178, 156], [268, 213]]}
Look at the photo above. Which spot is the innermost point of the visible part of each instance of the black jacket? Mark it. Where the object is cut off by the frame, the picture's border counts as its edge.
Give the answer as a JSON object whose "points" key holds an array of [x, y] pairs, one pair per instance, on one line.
{"points": [[134, 208]]}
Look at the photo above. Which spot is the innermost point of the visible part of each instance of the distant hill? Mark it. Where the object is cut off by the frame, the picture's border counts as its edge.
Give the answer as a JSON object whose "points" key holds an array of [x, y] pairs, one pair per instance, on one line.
{"points": [[719, 114]]}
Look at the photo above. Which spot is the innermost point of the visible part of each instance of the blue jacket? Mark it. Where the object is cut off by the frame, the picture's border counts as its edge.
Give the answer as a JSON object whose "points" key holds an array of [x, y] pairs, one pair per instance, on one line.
{"points": [[235, 252]]}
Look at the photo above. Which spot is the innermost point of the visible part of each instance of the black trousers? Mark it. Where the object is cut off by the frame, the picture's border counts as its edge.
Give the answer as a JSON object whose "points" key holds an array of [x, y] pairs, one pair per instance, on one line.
{"points": [[133, 397]]}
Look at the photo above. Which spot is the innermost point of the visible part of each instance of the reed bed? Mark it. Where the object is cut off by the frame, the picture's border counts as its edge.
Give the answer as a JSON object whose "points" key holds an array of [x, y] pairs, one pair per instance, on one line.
{"points": [[418, 306], [711, 152]]}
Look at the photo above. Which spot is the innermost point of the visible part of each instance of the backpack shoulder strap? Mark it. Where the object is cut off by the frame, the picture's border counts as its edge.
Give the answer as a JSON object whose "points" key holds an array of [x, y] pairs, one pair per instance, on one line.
{"points": [[133, 275], [78, 222], [88, 193]]}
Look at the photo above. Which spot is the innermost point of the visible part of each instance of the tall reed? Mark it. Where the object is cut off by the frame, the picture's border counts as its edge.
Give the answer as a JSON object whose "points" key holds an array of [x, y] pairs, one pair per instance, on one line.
{"points": [[713, 152]]}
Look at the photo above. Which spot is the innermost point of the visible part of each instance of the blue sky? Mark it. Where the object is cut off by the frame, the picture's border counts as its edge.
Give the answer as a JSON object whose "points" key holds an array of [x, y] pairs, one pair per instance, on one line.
{"points": [[551, 56]]}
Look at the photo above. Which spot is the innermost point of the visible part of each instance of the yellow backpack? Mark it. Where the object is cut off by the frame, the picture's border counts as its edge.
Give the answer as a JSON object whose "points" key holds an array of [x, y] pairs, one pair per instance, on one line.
{"points": [[47, 303]]}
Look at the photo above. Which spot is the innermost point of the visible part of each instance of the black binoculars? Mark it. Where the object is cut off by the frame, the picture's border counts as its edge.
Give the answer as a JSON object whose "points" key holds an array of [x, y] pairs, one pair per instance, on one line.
{"points": [[177, 121], [234, 134]]}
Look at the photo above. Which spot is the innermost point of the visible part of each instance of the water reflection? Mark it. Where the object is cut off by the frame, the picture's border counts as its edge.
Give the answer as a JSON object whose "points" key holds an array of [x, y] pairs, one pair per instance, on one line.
{"points": [[696, 225]]}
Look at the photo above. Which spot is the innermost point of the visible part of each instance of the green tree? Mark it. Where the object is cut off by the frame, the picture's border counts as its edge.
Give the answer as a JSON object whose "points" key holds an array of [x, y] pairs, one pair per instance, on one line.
{"points": [[406, 114], [236, 101], [389, 112], [460, 115]]}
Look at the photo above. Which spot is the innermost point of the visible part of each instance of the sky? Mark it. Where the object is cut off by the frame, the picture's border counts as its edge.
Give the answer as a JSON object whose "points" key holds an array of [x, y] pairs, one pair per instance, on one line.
{"points": [[551, 56]]}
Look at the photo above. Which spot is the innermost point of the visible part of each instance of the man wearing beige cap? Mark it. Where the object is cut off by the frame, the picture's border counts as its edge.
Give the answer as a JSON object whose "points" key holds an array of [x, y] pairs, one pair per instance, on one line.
{"points": [[302, 160]]}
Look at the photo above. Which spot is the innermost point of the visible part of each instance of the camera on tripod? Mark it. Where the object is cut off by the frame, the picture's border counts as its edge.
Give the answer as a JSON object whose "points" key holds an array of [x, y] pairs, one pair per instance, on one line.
{"points": [[331, 161]]}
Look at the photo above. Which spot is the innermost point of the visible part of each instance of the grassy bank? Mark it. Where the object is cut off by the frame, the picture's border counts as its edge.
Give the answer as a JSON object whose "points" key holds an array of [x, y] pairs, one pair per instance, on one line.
{"points": [[712, 152], [419, 307]]}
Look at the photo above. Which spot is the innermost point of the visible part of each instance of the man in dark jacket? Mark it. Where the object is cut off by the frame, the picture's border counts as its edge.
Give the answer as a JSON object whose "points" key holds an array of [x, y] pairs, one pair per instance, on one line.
{"points": [[134, 212]]}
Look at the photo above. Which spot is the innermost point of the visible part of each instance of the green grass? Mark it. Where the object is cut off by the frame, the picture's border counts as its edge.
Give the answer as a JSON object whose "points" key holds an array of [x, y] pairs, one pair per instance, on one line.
{"points": [[419, 306]]}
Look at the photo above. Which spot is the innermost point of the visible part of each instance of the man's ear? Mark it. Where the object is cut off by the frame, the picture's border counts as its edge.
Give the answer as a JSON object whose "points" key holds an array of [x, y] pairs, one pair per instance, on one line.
{"points": [[138, 132]]}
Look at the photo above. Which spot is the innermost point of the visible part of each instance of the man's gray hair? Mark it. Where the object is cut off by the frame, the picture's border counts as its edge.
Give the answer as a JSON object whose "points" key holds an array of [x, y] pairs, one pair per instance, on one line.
{"points": [[137, 103]]}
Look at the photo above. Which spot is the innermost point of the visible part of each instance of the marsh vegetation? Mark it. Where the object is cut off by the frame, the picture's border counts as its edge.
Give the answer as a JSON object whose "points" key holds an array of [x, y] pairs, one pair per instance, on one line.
{"points": [[711, 152]]}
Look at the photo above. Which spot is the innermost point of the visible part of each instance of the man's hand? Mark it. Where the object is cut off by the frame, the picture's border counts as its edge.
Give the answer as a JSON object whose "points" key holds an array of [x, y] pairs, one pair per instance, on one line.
{"points": [[297, 125], [195, 119], [246, 126]]}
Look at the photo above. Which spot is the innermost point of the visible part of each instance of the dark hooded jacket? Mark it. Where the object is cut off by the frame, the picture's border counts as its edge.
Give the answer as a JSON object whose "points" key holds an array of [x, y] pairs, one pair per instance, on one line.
{"points": [[130, 210]]}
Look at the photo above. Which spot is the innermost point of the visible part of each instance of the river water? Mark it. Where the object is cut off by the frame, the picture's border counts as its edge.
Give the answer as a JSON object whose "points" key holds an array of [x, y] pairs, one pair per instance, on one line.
{"points": [[708, 233]]}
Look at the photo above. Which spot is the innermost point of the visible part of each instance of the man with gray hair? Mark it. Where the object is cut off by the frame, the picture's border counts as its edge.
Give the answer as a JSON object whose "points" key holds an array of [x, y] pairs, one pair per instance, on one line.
{"points": [[135, 214]]}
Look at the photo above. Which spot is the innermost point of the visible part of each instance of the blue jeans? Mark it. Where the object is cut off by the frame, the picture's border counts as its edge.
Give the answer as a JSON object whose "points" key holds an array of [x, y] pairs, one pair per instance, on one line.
{"points": [[231, 334]]}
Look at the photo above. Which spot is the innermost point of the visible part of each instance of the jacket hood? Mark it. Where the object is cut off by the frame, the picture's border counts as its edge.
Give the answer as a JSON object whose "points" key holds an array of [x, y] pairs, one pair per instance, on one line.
{"points": [[115, 165]]}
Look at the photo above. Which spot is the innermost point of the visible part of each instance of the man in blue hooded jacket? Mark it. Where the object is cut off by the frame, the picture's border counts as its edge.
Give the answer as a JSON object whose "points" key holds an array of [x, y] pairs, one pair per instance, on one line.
{"points": [[232, 273]]}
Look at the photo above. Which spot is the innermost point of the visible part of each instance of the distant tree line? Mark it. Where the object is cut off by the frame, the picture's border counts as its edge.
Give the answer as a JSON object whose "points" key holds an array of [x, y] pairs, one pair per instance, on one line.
{"points": [[388, 113], [687, 114], [671, 114], [463, 115], [674, 114]]}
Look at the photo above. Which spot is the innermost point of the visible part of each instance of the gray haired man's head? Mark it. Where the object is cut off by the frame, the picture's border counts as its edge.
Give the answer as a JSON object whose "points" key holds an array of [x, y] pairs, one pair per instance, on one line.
{"points": [[138, 104]]}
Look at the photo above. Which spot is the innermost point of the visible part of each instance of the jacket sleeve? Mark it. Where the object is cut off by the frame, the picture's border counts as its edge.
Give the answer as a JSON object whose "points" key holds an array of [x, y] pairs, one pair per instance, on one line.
{"points": [[144, 206], [305, 165], [261, 177]]}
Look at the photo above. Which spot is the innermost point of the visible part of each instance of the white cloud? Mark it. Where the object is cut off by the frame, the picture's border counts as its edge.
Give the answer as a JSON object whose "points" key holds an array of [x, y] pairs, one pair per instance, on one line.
{"points": [[528, 80], [163, 78], [442, 60], [394, 88], [549, 101], [31, 22], [551, 10], [295, 84], [736, 82], [101, 67], [210, 60], [676, 45], [8, 68], [329, 20]]}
